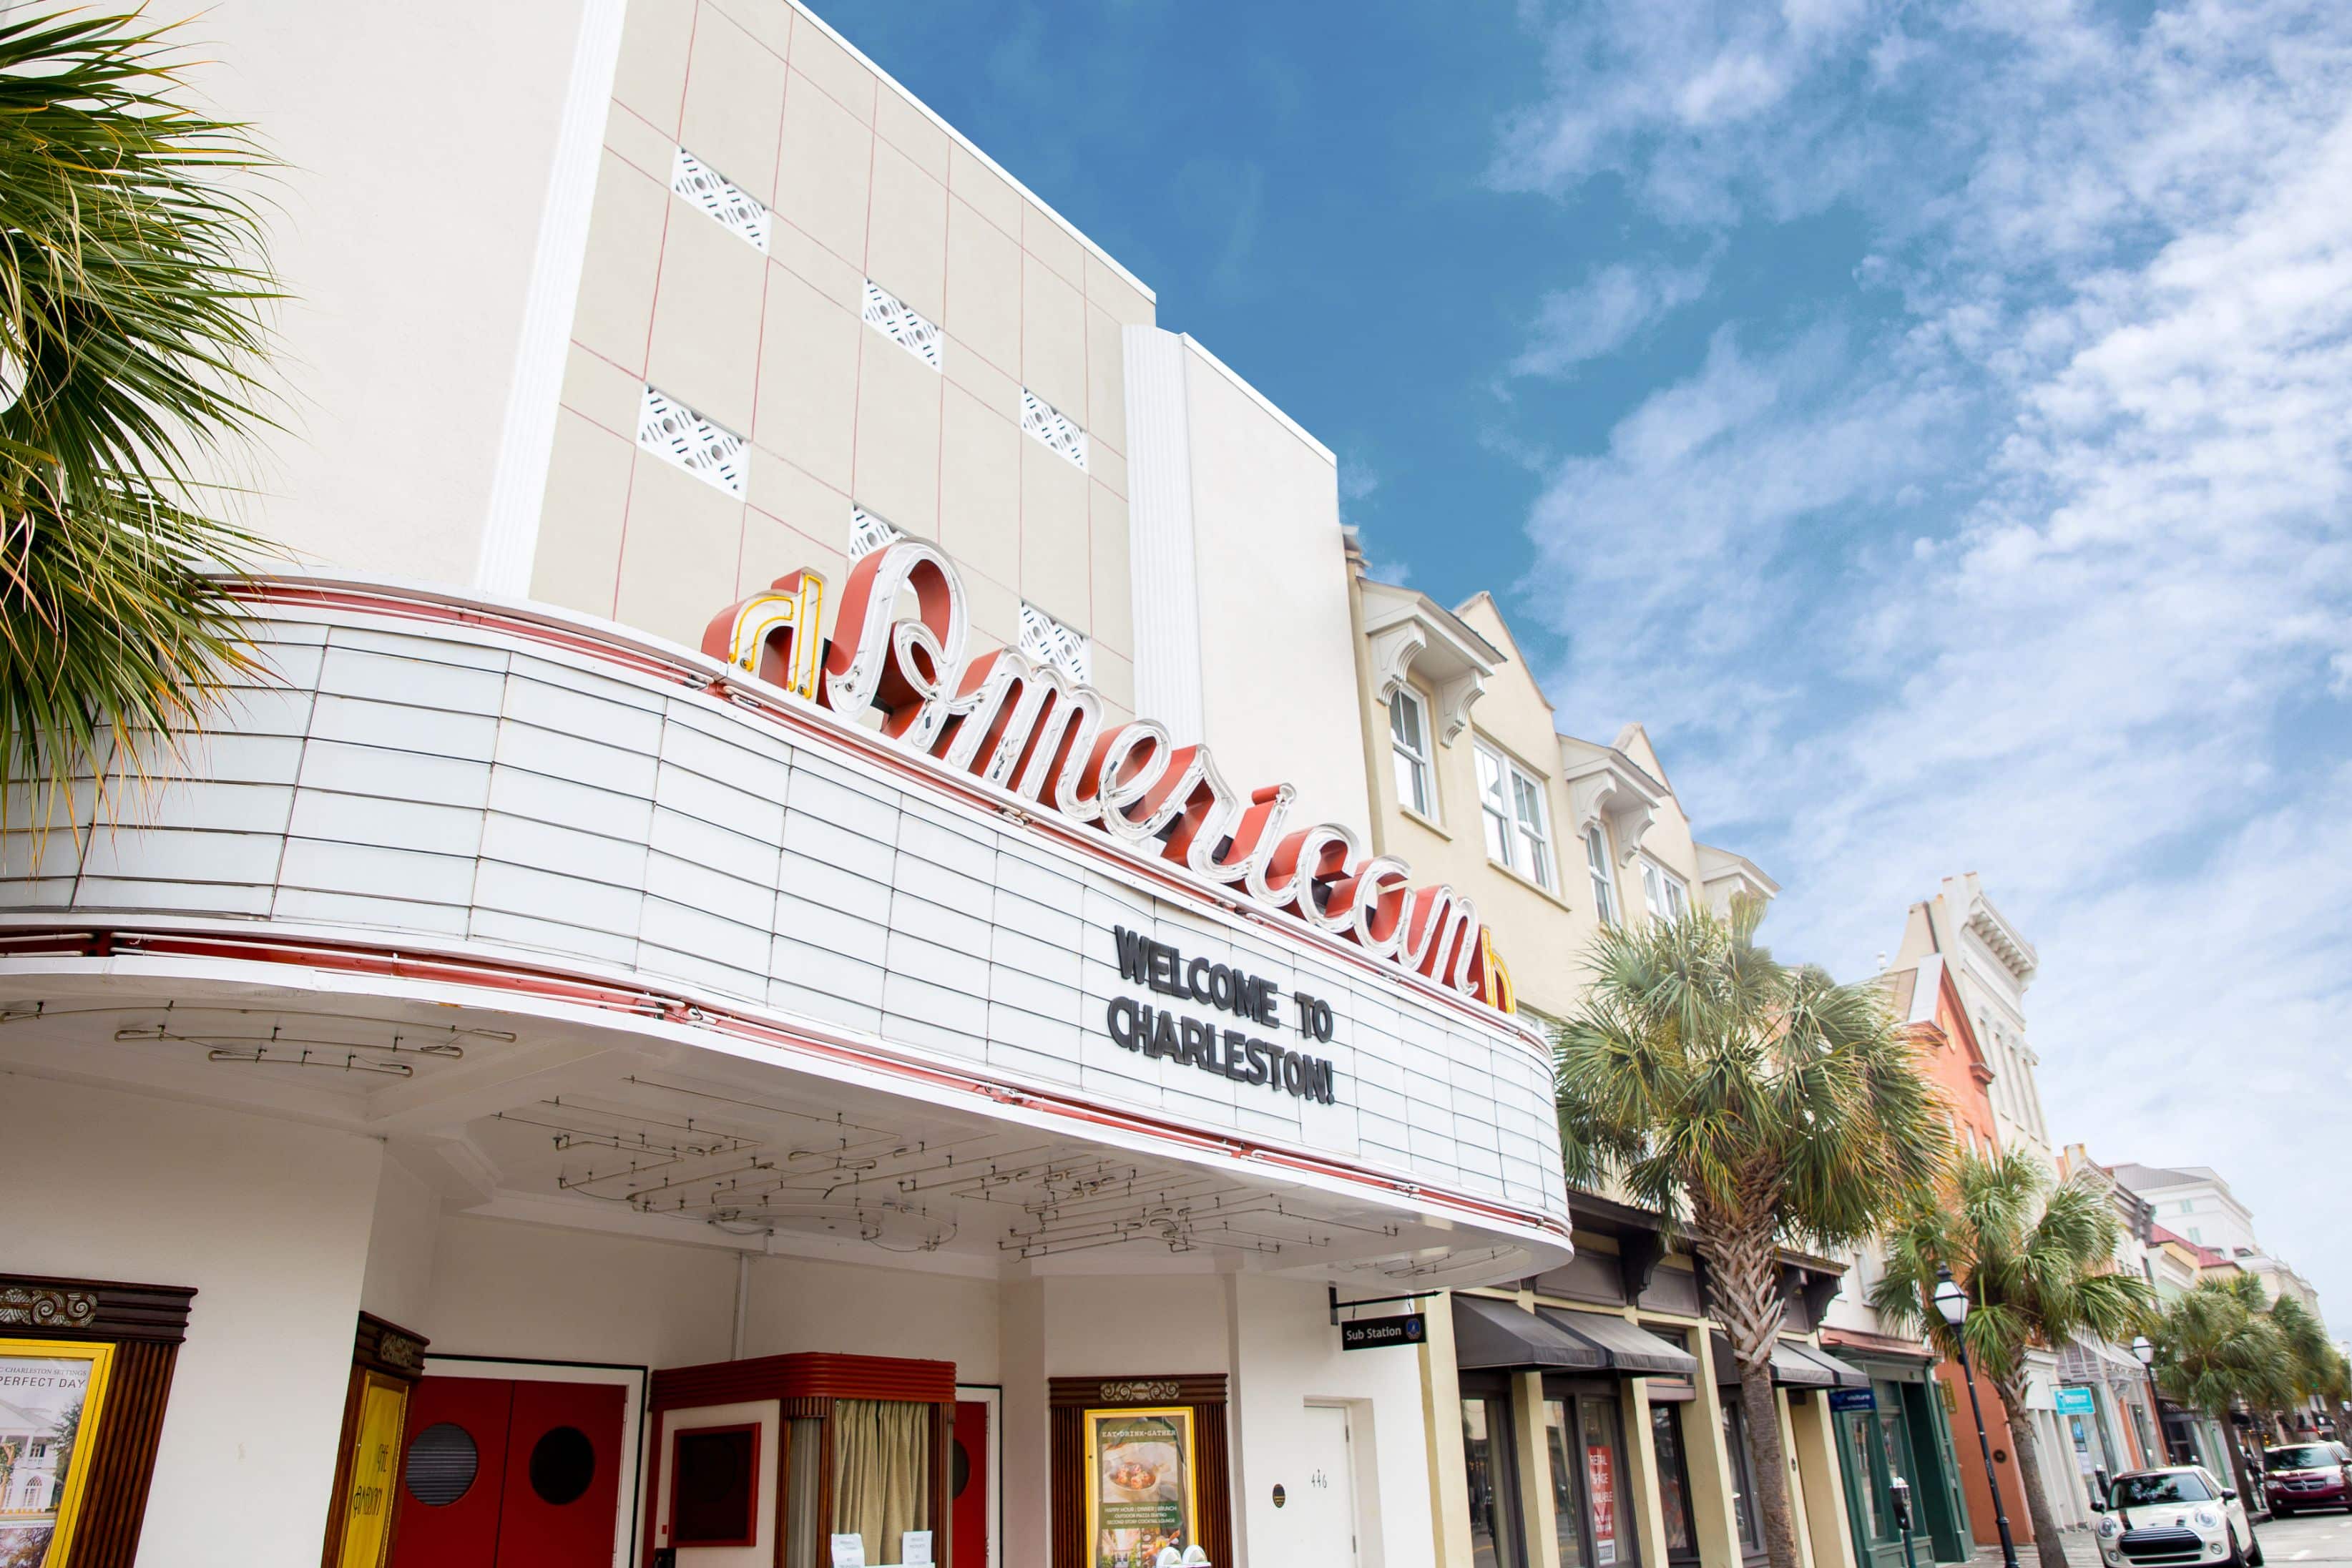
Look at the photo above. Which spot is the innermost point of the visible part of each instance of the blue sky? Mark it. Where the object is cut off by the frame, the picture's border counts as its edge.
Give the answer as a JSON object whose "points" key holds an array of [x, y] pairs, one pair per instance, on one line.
{"points": [[1934, 421]]}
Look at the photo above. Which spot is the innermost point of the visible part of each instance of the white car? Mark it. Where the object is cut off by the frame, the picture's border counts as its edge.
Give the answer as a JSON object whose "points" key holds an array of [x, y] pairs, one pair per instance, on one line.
{"points": [[2174, 1519]]}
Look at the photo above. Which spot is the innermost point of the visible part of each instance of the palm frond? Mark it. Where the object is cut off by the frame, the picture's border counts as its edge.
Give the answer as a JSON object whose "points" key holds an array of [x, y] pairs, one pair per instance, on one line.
{"points": [[132, 278]]}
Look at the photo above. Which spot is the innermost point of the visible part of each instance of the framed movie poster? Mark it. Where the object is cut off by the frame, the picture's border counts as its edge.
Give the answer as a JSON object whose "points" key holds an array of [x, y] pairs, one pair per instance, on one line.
{"points": [[1143, 1485], [52, 1393]]}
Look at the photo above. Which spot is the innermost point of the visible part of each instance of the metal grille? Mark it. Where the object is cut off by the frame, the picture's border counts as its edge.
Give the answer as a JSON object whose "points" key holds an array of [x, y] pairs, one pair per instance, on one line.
{"points": [[440, 1465], [868, 533], [1041, 419], [709, 451], [888, 315], [727, 203], [1049, 641], [2162, 1545]]}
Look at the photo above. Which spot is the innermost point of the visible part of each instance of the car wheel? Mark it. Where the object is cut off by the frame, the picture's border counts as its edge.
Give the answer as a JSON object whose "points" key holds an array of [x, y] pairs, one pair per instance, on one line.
{"points": [[2289, 1514], [2253, 1549]]}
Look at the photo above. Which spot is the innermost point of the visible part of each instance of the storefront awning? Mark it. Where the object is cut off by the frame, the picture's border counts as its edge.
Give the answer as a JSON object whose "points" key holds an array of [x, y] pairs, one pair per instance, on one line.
{"points": [[1632, 1352], [1846, 1374], [1793, 1366], [1495, 1336]]}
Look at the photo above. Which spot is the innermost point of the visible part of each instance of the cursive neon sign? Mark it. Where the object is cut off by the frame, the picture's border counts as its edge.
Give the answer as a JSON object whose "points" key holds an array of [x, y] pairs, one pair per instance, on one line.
{"points": [[1029, 730]]}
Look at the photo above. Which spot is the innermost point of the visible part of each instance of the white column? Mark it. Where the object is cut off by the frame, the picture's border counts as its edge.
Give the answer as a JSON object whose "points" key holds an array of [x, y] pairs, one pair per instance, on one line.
{"points": [[1163, 572]]}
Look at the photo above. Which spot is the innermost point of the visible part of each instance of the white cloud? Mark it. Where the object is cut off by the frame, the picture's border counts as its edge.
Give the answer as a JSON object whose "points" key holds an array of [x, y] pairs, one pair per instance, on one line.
{"points": [[2052, 578], [1613, 305]]}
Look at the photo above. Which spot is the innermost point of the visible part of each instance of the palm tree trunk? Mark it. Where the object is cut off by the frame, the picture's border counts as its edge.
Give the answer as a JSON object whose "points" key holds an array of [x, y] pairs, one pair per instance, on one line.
{"points": [[1744, 1291], [2047, 1543]]}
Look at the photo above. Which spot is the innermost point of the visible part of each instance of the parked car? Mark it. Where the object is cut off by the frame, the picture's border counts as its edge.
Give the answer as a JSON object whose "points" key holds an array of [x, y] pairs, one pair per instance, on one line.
{"points": [[2181, 1516], [2297, 1475]]}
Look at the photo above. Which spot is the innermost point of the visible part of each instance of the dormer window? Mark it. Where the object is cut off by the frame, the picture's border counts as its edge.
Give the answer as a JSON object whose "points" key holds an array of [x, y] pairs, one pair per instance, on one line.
{"points": [[1408, 749], [1604, 881]]}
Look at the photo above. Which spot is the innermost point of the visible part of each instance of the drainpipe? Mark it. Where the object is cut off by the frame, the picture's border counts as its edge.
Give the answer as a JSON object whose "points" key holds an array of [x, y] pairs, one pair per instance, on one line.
{"points": [[742, 1301]]}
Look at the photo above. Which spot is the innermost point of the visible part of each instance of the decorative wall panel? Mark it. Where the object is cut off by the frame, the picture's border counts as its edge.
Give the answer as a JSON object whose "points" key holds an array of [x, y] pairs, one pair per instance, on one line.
{"points": [[734, 209], [1041, 419], [894, 320], [709, 452]]}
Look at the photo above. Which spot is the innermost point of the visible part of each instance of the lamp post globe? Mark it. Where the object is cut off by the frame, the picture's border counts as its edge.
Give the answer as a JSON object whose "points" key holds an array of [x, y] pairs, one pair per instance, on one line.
{"points": [[1951, 1302], [2143, 1348]]}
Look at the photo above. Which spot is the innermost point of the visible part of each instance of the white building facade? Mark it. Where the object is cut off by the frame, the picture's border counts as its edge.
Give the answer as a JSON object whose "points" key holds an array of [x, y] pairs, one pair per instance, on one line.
{"points": [[784, 951]]}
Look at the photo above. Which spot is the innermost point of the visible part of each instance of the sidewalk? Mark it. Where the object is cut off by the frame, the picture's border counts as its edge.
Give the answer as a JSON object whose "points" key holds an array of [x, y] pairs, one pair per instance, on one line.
{"points": [[2081, 1552]]}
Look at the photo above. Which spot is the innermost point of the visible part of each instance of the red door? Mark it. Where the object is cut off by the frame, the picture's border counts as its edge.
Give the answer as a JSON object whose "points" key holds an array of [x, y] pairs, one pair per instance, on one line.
{"points": [[453, 1474], [563, 1476], [968, 1486], [509, 1475]]}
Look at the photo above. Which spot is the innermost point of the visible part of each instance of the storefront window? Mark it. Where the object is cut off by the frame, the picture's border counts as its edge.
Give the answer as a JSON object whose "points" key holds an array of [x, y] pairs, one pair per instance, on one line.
{"points": [[1674, 1479], [1590, 1509], [1897, 1446], [1567, 1504], [1494, 1492], [1610, 1519], [1743, 1478], [1869, 1467]]}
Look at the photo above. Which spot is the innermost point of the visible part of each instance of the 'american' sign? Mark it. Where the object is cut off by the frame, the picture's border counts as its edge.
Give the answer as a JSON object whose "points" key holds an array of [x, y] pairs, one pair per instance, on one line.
{"points": [[1029, 729]]}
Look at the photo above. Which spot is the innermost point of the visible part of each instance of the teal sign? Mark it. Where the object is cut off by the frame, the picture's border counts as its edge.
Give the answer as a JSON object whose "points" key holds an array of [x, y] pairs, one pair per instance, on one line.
{"points": [[2075, 1402]]}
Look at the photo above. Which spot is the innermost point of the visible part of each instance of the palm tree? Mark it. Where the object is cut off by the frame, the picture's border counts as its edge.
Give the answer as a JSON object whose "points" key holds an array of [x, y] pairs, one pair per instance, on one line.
{"points": [[130, 280], [1753, 1105], [2217, 1349], [2314, 1366], [2038, 1264]]}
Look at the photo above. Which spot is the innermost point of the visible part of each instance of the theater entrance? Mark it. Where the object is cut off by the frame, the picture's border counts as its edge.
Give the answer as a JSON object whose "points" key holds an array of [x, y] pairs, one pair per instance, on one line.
{"points": [[501, 1474]]}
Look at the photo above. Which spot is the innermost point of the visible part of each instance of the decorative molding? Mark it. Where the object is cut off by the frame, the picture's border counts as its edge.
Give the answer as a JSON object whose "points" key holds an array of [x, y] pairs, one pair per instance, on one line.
{"points": [[1049, 425], [711, 452], [1605, 794], [890, 316], [869, 533], [732, 207], [527, 440], [48, 1307], [1407, 635], [95, 1309], [1145, 1392], [2016, 955], [1049, 641]]}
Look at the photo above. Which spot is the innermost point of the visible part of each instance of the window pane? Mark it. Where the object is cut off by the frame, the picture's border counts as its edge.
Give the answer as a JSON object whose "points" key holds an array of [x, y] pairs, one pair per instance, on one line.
{"points": [[1567, 1507], [1604, 887], [1412, 781], [1673, 1478], [1743, 1478], [1486, 1459], [1604, 1486], [1677, 901], [1404, 721], [1535, 847]]}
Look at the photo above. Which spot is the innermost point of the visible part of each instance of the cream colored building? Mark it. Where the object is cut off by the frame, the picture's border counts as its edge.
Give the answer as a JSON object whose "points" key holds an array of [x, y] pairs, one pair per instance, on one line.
{"points": [[521, 972], [1589, 1416]]}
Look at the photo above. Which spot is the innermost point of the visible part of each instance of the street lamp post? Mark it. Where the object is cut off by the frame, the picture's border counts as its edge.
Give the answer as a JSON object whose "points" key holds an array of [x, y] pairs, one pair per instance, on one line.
{"points": [[2145, 1348], [1952, 1306]]}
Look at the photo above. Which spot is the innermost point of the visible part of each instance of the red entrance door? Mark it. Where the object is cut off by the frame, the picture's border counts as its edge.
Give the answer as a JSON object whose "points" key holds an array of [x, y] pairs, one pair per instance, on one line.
{"points": [[509, 1475], [968, 1484]]}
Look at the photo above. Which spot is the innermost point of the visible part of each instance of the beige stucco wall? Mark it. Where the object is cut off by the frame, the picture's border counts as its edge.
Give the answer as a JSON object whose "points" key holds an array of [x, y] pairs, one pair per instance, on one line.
{"points": [[405, 275], [862, 183]]}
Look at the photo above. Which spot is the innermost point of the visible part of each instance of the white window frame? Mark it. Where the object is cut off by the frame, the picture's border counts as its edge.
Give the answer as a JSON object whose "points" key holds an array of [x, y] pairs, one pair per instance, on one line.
{"points": [[1504, 818], [1667, 895], [1415, 781], [1602, 864]]}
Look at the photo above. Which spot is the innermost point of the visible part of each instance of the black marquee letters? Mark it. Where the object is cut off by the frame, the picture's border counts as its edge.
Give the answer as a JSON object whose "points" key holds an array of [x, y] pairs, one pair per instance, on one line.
{"points": [[1156, 1032]]}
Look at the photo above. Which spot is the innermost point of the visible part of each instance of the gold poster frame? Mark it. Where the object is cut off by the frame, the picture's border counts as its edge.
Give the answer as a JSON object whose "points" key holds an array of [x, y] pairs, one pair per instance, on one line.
{"points": [[1090, 1450], [100, 1357]]}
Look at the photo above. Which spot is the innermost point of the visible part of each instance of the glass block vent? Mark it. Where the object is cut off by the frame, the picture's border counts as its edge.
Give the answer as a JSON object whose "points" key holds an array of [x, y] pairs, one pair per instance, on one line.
{"points": [[709, 452], [1049, 641], [868, 533], [732, 207], [887, 314], [1041, 419]]}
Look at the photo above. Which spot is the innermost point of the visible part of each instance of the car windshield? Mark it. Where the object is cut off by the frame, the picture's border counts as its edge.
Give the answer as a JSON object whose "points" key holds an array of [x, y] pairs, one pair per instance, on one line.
{"points": [[2303, 1456], [2172, 1486]]}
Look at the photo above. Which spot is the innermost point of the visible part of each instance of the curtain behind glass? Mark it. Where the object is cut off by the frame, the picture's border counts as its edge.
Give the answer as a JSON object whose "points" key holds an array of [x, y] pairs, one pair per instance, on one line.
{"points": [[803, 1472], [881, 1472]]}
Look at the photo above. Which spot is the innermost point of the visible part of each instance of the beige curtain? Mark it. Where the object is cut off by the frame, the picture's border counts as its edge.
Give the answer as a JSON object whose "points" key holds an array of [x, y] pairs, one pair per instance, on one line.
{"points": [[881, 1472], [803, 1469]]}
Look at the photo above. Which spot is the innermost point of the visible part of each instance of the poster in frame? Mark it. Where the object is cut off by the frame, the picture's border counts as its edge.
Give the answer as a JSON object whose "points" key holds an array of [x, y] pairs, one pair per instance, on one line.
{"points": [[52, 1398], [1143, 1488]]}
